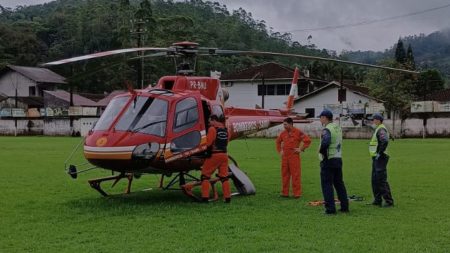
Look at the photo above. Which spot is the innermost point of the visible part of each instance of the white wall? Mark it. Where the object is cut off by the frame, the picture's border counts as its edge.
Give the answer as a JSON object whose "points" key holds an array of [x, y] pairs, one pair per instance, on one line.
{"points": [[436, 127], [245, 94], [328, 96], [8, 127], [410, 128], [86, 124], [11, 80]]}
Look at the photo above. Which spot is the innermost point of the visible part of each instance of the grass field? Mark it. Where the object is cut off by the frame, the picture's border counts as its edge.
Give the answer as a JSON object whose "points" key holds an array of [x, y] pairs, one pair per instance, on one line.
{"points": [[44, 210]]}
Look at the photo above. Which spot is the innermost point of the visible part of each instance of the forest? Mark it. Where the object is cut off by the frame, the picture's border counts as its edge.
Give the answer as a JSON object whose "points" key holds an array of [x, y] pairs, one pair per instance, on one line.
{"points": [[30, 35]]}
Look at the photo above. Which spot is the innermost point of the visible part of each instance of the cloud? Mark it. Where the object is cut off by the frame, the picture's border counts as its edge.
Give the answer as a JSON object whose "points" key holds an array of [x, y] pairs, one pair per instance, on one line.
{"points": [[291, 15]]}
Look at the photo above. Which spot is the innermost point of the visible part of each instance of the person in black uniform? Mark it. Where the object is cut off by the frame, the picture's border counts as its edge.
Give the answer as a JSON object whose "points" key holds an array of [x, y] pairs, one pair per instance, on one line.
{"points": [[378, 151], [330, 154]]}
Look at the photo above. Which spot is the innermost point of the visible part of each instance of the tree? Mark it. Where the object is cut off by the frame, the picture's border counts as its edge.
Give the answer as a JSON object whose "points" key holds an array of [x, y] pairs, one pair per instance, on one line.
{"points": [[394, 88], [410, 63], [400, 54], [429, 81]]}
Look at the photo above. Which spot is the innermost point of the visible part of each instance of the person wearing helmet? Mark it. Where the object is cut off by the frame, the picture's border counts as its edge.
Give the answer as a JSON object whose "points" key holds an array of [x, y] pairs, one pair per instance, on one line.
{"points": [[330, 155], [217, 142], [290, 143], [378, 151]]}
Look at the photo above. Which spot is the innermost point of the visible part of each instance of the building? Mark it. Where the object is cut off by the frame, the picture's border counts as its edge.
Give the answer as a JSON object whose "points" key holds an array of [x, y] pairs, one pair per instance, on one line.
{"points": [[266, 86], [105, 101], [342, 99], [18, 81]]}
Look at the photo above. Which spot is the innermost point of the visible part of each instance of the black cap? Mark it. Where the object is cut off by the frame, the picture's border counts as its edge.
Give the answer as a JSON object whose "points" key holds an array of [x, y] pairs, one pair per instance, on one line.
{"points": [[378, 116], [326, 113]]}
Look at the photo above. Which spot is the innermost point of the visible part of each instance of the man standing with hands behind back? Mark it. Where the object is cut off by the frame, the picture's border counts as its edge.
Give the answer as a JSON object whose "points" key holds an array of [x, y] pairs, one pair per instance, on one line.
{"points": [[290, 143], [378, 151]]}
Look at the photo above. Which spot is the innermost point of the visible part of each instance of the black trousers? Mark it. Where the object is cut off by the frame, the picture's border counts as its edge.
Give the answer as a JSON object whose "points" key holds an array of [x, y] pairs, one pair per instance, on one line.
{"points": [[380, 185], [331, 176]]}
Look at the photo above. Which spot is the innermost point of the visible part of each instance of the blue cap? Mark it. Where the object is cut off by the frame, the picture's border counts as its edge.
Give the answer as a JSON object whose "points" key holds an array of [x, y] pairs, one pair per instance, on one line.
{"points": [[378, 116], [326, 113]]}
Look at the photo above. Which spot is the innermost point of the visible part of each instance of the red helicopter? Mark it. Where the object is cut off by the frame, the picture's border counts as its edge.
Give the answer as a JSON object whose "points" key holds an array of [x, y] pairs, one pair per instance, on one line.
{"points": [[162, 129]]}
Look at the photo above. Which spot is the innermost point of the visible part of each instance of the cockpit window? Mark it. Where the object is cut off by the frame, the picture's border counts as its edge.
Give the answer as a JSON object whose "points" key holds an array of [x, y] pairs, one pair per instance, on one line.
{"points": [[111, 112], [145, 115], [186, 114]]}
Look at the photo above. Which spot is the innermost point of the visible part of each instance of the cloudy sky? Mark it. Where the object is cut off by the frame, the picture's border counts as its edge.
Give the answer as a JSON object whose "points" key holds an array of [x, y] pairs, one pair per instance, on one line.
{"points": [[384, 20]]}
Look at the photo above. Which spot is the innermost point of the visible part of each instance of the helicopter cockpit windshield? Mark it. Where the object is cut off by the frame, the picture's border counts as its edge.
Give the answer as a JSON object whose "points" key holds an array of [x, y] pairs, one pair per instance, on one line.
{"points": [[146, 115]]}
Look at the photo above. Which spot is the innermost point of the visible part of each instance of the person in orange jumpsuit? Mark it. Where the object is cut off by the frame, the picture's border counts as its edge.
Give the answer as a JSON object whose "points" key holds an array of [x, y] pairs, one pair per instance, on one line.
{"points": [[290, 143], [217, 141]]}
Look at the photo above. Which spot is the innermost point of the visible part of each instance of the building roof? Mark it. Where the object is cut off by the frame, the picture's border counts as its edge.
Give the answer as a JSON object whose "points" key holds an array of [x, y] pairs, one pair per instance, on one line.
{"points": [[3, 96], [104, 102], [77, 99], [363, 91], [32, 101], [271, 70], [40, 75], [93, 96], [442, 95]]}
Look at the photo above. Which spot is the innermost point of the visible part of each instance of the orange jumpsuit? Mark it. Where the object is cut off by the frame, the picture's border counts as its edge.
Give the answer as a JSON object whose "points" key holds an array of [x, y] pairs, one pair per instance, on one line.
{"points": [[287, 142], [218, 159]]}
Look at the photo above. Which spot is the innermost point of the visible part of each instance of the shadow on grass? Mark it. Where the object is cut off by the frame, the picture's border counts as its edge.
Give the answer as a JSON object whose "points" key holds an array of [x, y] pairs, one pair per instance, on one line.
{"points": [[137, 201]]}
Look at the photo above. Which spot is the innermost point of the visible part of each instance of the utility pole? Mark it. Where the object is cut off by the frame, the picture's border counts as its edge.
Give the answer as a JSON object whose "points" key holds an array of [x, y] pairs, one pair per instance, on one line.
{"points": [[139, 30], [263, 89], [341, 94]]}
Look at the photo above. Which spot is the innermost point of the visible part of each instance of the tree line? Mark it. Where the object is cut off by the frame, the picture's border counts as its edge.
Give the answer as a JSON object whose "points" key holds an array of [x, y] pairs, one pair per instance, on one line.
{"points": [[67, 28]]}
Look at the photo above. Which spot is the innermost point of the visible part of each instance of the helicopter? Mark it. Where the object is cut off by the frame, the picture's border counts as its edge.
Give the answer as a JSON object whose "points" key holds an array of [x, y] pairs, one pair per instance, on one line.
{"points": [[162, 129]]}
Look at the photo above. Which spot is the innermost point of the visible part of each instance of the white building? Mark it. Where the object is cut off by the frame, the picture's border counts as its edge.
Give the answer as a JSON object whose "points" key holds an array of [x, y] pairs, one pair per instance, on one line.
{"points": [[345, 99], [28, 81], [246, 86]]}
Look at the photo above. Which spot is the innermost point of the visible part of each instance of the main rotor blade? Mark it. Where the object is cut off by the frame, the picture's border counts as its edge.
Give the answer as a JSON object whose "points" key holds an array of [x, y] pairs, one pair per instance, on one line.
{"points": [[234, 52], [112, 64], [106, 53]]}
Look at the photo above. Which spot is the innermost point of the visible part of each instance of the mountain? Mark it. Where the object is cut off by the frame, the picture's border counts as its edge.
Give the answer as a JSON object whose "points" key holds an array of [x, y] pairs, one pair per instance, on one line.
{"points": [[430, 51]]}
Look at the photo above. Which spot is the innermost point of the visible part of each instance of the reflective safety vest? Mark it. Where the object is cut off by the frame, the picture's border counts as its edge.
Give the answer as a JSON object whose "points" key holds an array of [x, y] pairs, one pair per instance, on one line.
{"points": [[335, 148], [373, 144]]}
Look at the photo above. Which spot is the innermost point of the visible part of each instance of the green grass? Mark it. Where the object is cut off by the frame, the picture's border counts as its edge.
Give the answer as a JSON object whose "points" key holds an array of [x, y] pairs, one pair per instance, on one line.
{"points": [[43, 210]]}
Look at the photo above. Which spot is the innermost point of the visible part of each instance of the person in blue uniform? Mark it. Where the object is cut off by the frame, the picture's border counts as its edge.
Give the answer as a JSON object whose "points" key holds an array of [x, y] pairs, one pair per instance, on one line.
{"points": [[330, 155], [378, 151]]}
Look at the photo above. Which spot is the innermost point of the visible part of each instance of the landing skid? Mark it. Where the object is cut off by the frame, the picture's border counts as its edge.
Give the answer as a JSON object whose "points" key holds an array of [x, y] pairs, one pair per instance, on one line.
{"points": [[95, 183], [186, 182]]}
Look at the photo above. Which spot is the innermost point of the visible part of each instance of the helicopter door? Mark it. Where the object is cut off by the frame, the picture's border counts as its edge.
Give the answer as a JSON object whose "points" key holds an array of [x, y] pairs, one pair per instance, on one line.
{"points": [[188, 134]]}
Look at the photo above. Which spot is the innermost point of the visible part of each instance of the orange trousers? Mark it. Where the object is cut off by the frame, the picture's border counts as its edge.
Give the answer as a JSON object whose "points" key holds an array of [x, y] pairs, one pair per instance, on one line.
{"points": [[291, 169], [217, 160]]}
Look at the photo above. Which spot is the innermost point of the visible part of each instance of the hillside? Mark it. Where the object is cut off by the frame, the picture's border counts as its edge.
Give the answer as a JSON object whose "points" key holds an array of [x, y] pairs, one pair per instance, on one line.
{"points": [[67, 28], [430, 51]]}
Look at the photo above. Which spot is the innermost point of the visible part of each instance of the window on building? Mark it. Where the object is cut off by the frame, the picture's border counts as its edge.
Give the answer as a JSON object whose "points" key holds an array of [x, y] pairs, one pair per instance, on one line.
{"points": [[281, 89], [32, 90], [274, 89], [342, 95], [270, 89], [311, 112]]}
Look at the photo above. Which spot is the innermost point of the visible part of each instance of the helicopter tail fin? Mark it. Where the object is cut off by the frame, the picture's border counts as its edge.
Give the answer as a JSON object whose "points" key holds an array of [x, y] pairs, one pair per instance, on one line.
{"points": [[294, 91]]}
